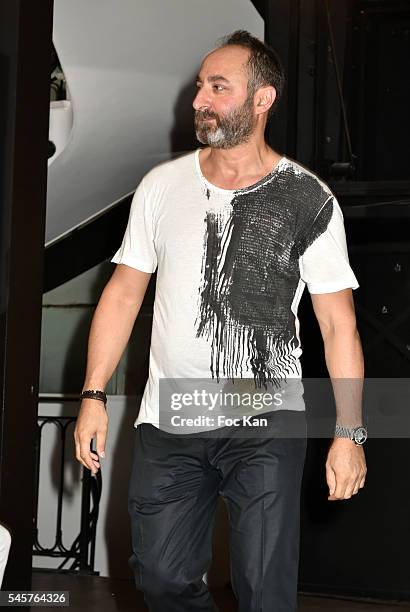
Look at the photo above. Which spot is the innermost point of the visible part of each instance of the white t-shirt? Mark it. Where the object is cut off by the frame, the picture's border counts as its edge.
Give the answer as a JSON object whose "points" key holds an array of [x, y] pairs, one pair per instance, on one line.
{"points": [[231, 269]]}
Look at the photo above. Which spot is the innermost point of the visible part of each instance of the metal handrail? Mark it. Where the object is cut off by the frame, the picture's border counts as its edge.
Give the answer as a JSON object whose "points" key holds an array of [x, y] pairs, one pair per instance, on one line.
{"points": [[82, 549]]}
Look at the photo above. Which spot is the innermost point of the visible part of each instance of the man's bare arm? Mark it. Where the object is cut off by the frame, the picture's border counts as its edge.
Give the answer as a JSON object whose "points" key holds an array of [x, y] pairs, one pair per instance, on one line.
{"points": [[343, 352], [345, 464], [110, 330]]}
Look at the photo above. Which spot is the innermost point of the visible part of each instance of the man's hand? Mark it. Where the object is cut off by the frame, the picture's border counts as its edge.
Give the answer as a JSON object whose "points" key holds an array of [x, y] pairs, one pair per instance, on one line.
{"points": [[92, 422], [345, 469]]}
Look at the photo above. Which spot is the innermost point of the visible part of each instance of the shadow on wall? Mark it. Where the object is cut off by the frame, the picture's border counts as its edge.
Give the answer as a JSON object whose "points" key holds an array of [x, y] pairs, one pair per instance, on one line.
{"points": [[182, 136]]}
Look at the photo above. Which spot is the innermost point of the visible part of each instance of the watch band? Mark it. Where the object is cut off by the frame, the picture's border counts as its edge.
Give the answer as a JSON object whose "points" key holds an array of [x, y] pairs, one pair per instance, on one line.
{"points": [[96, 394], [344, 432], [357, 434]]}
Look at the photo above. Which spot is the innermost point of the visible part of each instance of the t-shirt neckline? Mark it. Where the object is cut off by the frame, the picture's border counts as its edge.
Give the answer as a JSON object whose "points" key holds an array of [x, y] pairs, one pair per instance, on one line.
{"points": [[261, 181]]}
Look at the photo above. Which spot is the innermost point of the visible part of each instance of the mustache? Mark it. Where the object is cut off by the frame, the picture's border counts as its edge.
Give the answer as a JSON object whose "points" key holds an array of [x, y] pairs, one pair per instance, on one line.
{"points": [[200, 115]]}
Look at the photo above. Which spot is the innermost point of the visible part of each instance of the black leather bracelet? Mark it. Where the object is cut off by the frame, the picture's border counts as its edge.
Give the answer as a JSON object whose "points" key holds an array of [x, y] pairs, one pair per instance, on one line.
{"points": [[94, 394]]}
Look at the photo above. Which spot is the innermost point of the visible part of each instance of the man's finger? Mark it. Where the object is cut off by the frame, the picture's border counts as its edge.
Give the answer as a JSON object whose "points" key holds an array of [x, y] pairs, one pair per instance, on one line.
{"points": [[358, 485], [85, 452], [82, 462], [100, 443], [78, 453], [341, 488], [349, 491], [331, 479], [95, 459]]}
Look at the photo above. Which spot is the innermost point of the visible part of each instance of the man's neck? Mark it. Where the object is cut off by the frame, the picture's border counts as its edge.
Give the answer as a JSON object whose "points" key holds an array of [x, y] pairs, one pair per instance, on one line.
{"points": [[240, 166]]}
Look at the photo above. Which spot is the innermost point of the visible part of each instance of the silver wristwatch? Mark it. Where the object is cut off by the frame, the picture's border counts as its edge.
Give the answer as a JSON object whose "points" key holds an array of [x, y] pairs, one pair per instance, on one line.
{"points": [[357, 434]]}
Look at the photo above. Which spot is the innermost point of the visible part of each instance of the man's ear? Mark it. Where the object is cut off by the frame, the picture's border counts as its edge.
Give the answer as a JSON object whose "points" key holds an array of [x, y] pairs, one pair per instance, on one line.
{"points": [[264, 98]]}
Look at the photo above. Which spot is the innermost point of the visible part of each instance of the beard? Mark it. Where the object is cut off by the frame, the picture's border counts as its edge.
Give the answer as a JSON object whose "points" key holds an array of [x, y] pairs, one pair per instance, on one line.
{"points": [[228, 130]]}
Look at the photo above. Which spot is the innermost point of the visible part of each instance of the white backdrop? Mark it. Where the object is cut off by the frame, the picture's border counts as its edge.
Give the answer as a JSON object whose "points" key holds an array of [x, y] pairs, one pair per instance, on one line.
{"points": [[128, 65]]}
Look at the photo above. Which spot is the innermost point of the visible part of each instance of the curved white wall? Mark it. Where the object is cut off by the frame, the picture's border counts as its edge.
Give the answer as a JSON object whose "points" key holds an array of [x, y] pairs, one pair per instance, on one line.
{"points": [[128, 65]]}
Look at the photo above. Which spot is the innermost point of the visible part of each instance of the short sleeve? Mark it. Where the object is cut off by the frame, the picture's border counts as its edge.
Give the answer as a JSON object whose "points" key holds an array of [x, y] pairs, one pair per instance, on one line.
{"points": [[138, 249], [324, 266]]}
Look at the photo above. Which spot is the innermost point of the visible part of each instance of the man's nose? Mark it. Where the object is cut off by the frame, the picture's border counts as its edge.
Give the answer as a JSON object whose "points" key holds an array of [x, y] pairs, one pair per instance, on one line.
{"points": [[201, 101]]}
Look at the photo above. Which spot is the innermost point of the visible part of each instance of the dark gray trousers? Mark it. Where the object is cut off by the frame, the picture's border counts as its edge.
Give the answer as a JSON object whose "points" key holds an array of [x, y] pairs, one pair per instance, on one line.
{"points": [[173, 491]]}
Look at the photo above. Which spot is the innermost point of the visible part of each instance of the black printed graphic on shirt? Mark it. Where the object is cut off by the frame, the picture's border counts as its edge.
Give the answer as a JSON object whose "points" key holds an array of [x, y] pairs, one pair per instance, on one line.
{"points": [[250, 273]]}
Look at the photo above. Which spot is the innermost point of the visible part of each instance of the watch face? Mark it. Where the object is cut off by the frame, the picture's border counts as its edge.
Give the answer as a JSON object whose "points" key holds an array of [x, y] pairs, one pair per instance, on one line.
{"points": [[360, 435]]}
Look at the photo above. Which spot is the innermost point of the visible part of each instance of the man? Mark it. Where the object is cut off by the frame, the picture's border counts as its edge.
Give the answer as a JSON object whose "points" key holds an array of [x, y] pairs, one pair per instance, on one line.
{"points": [[235, 231]]}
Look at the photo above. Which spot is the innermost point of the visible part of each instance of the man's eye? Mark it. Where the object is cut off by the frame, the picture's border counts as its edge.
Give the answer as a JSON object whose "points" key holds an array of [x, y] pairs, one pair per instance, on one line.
{"points": [[219, 87]]}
